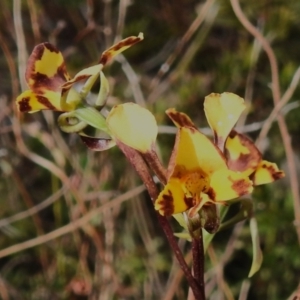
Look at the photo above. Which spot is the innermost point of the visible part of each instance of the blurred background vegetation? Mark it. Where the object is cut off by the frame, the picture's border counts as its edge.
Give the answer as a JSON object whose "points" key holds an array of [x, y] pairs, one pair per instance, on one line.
{"points": [[191, 48]]}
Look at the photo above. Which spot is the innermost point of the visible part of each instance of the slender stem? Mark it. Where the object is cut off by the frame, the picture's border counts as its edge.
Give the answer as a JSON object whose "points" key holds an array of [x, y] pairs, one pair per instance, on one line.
{"points": [[140, 166], [198, 261]]}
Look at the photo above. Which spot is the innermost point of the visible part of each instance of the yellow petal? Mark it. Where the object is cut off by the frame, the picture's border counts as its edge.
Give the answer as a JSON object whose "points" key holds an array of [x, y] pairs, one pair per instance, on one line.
{"points": [[46, 69], [266, 172], [28, 101], [194, 151], [222, 112], [31, 102], [133, 125], [226, 185], [120, 47], [241, 153], [172, 199]]}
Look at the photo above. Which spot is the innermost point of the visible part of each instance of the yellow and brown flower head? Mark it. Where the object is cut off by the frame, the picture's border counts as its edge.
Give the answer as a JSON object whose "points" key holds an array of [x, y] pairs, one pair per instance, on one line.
{"points": [[201, 171]]}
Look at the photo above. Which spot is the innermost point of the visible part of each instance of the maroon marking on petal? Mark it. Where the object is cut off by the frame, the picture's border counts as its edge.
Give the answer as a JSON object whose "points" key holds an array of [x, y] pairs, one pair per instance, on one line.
{"points": [[96, 144], [211, 194], [189, 201], [181, 119], [50, 47], [240, 186], [54, 83], [38, 52], [36, 55], [218, 140], [275, 174], [244, 161], [166, 203], [62, 73], [45, 101], [67, 85], [106, 56], [24, 105]]}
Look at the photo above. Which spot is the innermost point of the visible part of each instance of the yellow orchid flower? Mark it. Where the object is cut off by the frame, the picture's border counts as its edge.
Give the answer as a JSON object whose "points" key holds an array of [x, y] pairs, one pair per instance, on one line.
{"points": [[201, 171], [50, 86], [197, 172]]}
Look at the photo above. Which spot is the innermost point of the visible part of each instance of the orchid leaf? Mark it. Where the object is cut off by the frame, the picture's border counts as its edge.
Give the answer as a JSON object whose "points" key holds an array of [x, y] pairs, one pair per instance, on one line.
{"points": [[69, 123], [180, 219], [257, 253], [246, 211], [183, 235], [92, 117]]}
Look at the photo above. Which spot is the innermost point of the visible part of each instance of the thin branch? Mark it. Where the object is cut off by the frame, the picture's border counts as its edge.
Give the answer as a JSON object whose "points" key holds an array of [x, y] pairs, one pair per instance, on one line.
{"points": [[72, 226], [284, 100], [21, 45], [33, 210], [276, 98], [198, 261], [165, 67]]}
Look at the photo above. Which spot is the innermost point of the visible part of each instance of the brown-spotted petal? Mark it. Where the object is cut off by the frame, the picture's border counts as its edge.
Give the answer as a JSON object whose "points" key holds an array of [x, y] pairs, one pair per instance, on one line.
{"points": [[28, 101], [46, 69], [241, 153], [266, 172], [180, 119], [106, 56], [222, 112], [120, 47], [226, 185], [172, 199]]}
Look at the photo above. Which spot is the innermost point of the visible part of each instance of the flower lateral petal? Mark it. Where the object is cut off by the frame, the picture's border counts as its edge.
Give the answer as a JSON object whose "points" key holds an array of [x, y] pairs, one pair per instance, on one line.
{"points": [[133, 125], [241, 153], [120, 47], [266, 172], [227, 185], [28, 101], [222, 112], [172, 199]]}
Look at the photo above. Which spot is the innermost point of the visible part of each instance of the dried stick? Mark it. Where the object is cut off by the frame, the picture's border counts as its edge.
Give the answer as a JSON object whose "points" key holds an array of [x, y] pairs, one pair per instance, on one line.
{"points": [[276, 98], [71, 226]]}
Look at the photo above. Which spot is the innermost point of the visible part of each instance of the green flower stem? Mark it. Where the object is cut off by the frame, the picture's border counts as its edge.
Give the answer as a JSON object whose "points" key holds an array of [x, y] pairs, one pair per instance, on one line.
{"points": [[140, 166]]}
